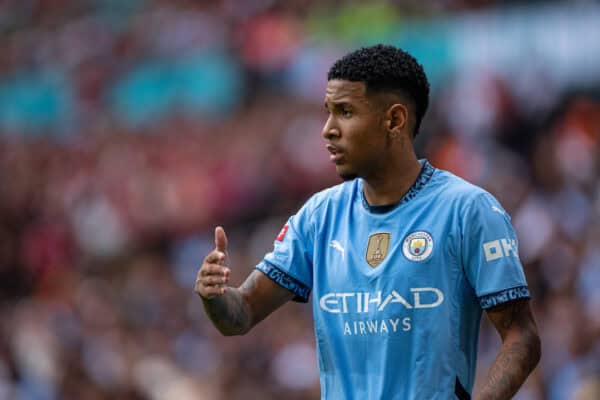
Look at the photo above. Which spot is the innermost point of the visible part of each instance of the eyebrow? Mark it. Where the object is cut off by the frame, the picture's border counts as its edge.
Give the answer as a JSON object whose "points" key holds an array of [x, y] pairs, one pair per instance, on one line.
{"points": [[337, 104]]}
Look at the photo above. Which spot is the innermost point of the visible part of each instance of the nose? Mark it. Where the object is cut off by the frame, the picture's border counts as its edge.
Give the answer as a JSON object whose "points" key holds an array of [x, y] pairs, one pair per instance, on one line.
{"points": [[330, 130]]}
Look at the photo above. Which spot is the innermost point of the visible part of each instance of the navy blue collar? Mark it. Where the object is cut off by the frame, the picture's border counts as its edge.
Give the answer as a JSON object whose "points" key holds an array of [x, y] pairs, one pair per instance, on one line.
{"points": [[425, 175]]}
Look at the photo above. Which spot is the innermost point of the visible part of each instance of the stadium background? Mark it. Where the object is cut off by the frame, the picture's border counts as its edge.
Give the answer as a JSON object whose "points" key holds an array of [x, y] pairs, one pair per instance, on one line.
{"points": [[129, 129]]}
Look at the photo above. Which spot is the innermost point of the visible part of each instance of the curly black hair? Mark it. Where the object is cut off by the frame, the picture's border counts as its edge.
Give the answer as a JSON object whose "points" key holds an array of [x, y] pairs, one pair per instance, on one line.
{"points": [[386, 68]]}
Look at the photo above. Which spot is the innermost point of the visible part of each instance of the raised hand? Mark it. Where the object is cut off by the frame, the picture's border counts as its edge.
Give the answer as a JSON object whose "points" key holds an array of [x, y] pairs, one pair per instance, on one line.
{"points": [[213, 275]]}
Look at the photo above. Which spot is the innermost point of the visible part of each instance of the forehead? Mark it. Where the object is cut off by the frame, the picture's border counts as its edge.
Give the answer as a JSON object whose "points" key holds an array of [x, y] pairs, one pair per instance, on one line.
{"points": [[345, 91]]}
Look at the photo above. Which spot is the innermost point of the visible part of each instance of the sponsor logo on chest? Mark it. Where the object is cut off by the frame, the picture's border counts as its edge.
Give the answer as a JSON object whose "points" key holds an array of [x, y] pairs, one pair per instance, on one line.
{"points": [[364, 302]]}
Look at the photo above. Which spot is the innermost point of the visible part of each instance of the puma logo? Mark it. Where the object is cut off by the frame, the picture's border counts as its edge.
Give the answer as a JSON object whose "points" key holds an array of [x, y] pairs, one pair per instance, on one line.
{"points": [[338, 246]]}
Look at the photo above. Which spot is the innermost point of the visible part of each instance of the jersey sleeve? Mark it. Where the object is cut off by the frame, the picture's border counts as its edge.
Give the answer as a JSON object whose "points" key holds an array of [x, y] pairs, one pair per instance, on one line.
{"points": [[290, 262], [490, 254]]}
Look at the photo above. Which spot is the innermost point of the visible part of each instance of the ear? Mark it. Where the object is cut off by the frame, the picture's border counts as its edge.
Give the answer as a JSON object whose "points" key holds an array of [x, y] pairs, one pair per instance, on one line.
{"points": [[396, 119]]}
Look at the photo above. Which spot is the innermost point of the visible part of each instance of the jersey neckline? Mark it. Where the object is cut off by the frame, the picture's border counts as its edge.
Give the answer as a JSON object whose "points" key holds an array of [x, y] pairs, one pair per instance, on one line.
{"points": [[425, 175]]}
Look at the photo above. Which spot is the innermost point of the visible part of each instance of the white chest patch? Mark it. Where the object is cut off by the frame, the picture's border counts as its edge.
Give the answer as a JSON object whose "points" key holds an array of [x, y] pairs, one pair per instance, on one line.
{"points": [[417, 246]]}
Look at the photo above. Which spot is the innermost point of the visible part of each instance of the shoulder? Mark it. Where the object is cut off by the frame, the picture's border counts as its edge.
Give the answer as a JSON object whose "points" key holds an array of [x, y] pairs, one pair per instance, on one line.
{"points": [[333, 195], [454, 187], [466, 199]]}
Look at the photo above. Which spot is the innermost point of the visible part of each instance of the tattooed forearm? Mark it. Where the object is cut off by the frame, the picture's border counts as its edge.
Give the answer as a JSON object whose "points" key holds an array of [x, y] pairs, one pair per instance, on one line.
{"points": [[512, 366], [238, 310], [519, 354], [230, 313]]}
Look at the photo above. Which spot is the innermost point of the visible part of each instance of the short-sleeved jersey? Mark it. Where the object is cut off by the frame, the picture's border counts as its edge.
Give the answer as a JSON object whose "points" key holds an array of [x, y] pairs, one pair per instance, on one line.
{"points": [[398, 291]]}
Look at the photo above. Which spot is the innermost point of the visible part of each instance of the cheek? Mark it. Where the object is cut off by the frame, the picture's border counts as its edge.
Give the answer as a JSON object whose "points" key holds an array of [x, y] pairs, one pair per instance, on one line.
{"points": [[359, 132]]}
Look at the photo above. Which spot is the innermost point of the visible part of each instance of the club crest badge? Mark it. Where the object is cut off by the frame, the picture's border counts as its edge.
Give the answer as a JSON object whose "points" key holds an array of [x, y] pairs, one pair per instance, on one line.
{"points": [[417, 246], [377, 249]]}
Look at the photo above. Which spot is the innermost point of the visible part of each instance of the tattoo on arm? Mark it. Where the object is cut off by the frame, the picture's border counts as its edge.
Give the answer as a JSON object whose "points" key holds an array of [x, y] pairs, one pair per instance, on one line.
{"points": [[228, 312], [238, 310], [250, 283], [520, 350]]}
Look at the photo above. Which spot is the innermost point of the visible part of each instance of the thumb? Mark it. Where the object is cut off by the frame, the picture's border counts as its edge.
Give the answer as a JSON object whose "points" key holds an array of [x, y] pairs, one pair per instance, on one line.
{"points": [[220, 239]]}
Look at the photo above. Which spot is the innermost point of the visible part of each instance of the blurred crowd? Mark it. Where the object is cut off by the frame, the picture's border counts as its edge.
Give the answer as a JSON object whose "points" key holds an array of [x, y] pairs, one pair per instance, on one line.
{"points": [[128, 130]]}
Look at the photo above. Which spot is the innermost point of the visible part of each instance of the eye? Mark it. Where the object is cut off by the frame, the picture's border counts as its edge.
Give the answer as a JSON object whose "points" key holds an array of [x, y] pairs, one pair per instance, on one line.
{"points": [[347, 113]]}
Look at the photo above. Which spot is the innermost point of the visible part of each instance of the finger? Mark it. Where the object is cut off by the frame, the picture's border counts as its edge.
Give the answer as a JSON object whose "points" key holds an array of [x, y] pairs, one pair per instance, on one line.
{"points": [[213, 280], [214, 269], [209, 292], [215, 257], [220, 239]]}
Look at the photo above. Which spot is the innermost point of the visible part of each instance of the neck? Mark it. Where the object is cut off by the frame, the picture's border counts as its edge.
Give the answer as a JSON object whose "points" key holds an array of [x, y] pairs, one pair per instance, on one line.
{"points": [[391, 185]]}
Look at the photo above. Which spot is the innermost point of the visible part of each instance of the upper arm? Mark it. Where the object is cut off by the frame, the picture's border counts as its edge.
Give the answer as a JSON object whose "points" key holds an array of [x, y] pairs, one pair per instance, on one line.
{"points": [[514, 320], [520, 340], [489, 253], [263, 296], [286, 272]]}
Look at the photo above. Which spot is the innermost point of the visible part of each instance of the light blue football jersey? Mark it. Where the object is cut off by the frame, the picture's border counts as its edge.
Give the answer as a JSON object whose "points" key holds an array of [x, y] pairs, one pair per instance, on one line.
{"points": [[398, 291]]}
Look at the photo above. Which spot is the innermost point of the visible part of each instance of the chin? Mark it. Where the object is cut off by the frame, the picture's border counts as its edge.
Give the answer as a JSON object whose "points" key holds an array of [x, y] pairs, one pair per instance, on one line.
{"points": [[346, 172], [347, 175]]}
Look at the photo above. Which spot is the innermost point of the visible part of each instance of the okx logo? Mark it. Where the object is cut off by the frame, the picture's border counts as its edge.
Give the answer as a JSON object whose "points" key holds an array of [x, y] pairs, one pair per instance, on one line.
{"points": [[496, 249]]}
